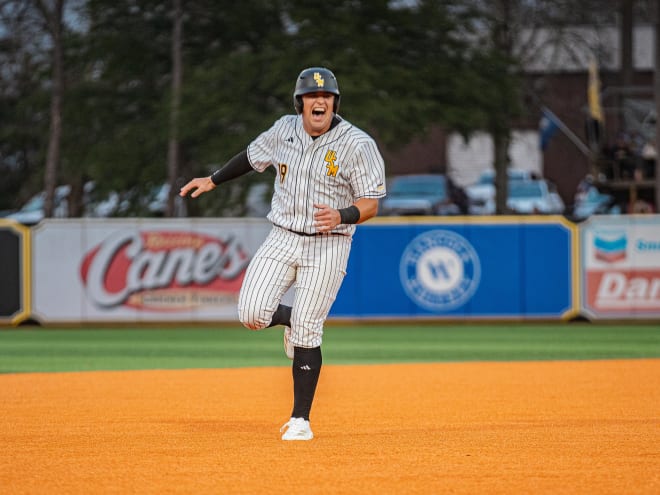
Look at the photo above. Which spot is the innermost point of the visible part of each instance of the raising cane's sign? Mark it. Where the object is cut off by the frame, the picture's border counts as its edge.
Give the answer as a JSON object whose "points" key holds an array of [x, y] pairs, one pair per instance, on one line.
{"points": [[141, 270], [169, 271], [621, 267]]}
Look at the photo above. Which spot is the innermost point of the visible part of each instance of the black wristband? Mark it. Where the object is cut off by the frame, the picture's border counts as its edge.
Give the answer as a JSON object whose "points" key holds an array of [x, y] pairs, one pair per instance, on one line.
{"points": [[349, 215]]}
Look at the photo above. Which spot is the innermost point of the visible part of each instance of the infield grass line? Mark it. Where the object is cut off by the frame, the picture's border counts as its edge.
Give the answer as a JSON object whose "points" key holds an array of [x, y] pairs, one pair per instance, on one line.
{"points": [[36, 349]]}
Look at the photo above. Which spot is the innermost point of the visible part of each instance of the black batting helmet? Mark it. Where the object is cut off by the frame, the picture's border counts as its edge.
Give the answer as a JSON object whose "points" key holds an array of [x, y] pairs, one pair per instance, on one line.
{"points": [[312, 80]]}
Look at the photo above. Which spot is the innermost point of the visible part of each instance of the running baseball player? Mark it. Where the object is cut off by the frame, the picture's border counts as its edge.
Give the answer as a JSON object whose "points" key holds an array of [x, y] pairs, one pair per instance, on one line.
{"points": [[329, 177]]}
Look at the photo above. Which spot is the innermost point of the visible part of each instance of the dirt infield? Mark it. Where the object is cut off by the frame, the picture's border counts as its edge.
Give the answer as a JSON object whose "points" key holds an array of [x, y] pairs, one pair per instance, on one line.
{"points": [[545, 427]]}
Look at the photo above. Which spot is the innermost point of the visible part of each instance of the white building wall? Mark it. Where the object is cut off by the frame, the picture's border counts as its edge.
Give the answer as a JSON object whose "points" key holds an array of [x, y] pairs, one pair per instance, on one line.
{"points": [[466, 161]]}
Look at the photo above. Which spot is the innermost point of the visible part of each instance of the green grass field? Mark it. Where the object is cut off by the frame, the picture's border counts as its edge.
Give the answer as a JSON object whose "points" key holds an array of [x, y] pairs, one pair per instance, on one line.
{"points": [[34, 349]]}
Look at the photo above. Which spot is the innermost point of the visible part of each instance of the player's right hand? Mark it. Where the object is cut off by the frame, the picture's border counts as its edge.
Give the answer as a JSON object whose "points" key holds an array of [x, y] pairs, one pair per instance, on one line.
{"points": [[326, 218], [199, 184]]}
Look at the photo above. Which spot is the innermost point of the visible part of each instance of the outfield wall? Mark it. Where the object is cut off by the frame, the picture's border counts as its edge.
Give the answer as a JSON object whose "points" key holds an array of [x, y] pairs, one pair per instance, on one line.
{"points": [[14, 272], [620, 259], [475, 268], [466, 268]]}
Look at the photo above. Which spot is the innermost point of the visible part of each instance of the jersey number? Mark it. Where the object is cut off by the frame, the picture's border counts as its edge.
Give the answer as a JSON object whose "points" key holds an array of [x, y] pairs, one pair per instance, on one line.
{"points": [[283, 170]]}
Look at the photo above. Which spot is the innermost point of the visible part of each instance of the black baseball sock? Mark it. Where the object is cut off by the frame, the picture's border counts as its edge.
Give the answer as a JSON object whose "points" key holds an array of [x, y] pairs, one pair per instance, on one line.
{"points": [[306, 370], [281, 316]]}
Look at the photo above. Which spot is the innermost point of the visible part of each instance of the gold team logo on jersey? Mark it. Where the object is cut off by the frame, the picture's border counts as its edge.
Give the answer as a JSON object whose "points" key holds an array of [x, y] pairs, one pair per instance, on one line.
{"points": [[319, 80], [330, 158]]}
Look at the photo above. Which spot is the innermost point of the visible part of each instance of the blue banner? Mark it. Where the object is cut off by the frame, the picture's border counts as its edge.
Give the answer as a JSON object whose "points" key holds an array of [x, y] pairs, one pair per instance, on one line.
{"points": [[505, 268]]}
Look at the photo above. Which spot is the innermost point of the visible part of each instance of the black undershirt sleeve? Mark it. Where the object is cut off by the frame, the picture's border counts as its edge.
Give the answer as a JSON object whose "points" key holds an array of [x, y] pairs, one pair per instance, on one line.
{"points": [[235, 167]]}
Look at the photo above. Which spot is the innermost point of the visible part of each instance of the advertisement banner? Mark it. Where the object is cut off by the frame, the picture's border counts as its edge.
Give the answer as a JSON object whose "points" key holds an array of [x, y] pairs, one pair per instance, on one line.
{"points": [[474, 268], [621, 267], [191, 270], [141, 269]]}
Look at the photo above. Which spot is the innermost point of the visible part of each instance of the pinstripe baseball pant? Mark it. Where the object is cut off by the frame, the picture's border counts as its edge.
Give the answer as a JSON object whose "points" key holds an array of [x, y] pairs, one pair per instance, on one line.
{"points": [[314, 265]]}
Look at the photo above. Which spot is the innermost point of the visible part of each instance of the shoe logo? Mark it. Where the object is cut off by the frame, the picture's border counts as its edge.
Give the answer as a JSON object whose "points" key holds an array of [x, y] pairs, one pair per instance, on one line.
{"points": [[306, 367]]}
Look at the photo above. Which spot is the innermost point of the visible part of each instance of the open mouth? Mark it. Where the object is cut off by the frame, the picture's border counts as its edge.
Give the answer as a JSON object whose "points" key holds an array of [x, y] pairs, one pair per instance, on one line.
{"points": [[318, 112]]}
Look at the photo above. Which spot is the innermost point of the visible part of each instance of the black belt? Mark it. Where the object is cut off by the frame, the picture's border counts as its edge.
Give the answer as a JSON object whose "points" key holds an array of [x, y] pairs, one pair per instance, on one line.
{"points": [[309, 235]]}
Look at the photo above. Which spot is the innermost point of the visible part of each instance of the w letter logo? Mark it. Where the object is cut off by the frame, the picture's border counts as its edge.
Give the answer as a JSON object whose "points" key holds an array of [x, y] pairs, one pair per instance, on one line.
{"points": [[439, 270]]}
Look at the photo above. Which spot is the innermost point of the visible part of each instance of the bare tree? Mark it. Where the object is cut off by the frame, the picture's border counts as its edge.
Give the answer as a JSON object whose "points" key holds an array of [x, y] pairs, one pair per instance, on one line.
{"points": [[53, 22], [173, 148], [525, 31], [34, 28], [500, 126]]}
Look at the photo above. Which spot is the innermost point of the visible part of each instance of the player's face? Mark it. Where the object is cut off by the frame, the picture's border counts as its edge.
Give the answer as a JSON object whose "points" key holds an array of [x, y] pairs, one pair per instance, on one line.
{"points": [[317, 112]]}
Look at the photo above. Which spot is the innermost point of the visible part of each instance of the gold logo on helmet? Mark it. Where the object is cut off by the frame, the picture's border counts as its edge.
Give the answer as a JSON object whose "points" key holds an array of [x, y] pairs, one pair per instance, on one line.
{"points": [[319, 80]]}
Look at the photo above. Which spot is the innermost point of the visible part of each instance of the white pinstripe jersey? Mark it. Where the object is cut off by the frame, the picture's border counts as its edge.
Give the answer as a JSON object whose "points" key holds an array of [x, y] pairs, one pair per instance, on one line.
{"points": [[337, 168]]}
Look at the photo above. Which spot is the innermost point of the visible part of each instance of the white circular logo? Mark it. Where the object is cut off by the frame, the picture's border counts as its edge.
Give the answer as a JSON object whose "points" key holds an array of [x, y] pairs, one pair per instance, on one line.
{"points": [[440, 270]]}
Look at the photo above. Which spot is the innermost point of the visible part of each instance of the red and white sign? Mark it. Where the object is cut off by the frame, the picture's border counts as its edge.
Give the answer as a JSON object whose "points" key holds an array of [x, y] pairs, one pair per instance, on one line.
{"points": [[614, 291], [141, 270], [621, 267]]}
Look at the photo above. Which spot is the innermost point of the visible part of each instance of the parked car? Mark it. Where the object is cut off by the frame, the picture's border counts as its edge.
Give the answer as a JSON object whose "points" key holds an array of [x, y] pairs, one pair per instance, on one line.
{"points": [[157, 201], [481, 194], [532, 197], [32, 212], [95, 204], [103, 205], [593, 202], [423, 194]]}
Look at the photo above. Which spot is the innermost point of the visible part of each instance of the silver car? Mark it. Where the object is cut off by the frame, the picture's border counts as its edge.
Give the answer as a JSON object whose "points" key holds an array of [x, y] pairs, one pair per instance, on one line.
{"points": [[481, 194], [534, 197], [421, 194]]}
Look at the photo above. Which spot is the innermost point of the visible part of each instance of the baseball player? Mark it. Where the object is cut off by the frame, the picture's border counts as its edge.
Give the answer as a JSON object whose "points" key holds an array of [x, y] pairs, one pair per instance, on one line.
{"points": [[329, 177]]}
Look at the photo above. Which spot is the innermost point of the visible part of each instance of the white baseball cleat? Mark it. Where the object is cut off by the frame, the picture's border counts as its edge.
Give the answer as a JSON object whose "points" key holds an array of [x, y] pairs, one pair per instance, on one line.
{"points": [[288, 345], [297, 429]]}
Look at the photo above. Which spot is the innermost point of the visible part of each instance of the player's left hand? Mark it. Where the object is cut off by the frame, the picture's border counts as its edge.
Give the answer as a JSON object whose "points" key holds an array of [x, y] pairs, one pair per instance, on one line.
{"points": [[325, 218]]}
